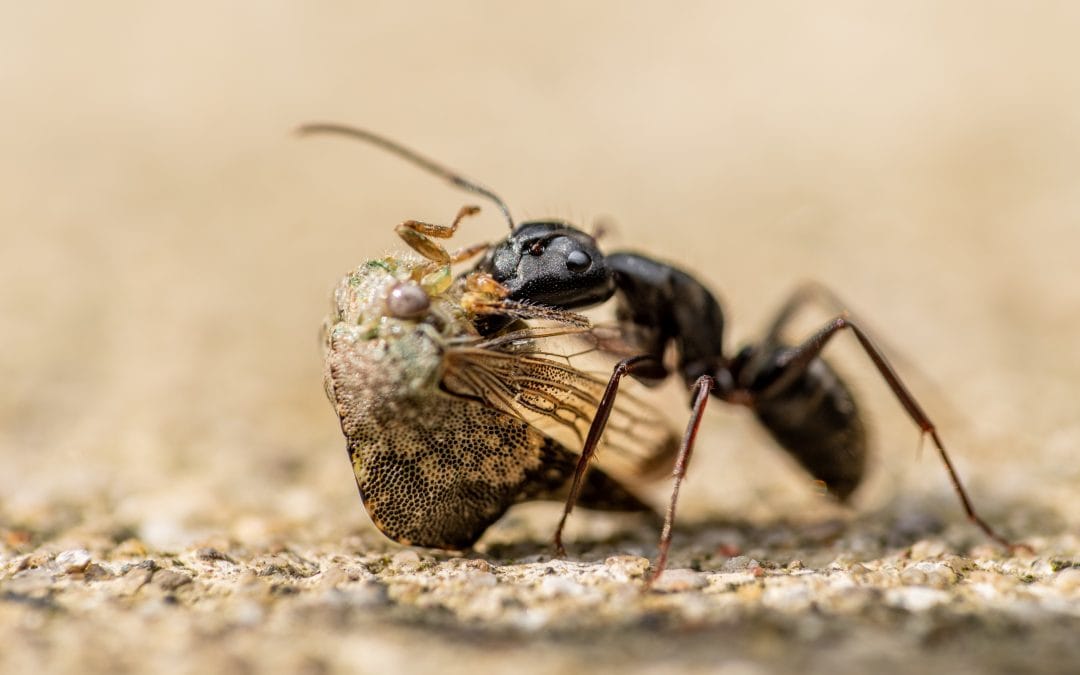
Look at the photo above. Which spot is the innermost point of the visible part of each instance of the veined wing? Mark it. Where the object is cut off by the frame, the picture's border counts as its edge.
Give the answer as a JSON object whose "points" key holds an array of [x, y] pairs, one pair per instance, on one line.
{"points": [[530, 375]]}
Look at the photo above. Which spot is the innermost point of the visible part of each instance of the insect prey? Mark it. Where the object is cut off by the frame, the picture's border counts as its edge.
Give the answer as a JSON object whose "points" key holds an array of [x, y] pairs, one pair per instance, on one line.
{"points": [[447, 427]]}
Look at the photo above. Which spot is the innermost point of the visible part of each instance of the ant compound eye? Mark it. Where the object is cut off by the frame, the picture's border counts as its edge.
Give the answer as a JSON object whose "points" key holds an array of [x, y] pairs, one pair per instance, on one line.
{"points": [[578, 261], [407, 301]]}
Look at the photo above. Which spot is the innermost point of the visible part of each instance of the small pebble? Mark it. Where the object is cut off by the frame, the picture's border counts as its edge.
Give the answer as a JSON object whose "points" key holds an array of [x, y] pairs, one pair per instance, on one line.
{"points": [[915, 598], [913, 576], [623, 568], [96, 572], [678, 580], [740, 563], [74, 561], [134, 578], [333, 577], [730, 580], [209, 553], [406, 557], [928, 573], [554, 586], [170, 580]]}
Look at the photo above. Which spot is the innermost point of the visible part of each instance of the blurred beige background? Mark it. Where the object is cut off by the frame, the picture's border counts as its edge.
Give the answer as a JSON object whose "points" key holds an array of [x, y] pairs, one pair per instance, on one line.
{"points": [[168, 245]]}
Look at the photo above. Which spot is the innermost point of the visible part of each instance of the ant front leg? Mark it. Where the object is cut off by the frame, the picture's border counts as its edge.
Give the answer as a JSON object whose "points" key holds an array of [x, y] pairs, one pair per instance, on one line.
{"points": [[791, 374], [596, 430]]}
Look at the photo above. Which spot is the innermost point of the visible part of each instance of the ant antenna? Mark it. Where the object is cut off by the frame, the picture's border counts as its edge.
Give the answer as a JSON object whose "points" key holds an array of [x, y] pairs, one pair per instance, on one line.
{"points": [[409, 155]]}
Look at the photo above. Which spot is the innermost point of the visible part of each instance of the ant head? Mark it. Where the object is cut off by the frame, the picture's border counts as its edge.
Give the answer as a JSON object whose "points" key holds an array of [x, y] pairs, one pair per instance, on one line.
{"points": [[551, 263]]}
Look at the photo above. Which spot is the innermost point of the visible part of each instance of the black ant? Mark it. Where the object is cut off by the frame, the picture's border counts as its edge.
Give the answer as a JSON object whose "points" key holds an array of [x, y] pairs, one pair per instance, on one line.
{"points": [[795, 394]]}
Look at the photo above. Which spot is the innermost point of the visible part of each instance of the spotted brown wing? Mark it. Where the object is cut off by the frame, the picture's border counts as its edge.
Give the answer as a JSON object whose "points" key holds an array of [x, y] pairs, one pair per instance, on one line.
{"points": [[526, 376], [436, 468]]}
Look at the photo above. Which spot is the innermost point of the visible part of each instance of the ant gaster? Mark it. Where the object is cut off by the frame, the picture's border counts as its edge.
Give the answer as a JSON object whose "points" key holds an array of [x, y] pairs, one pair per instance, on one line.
{"points": [[795, 394]]}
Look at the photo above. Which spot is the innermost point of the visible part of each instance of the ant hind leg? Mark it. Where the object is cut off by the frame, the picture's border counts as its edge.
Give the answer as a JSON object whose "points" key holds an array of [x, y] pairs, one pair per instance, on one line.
{"points": [[798, 359]]}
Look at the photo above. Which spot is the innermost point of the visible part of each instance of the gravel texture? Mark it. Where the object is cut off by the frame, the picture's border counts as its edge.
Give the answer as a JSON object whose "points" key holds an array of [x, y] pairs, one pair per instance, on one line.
{"points": [[174, 495], [834, 597]]}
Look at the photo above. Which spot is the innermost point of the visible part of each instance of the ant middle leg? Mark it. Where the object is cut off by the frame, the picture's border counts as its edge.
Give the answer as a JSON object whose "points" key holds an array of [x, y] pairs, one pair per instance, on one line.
{"points": [[702, 388], [787, 366], [603, 412]]}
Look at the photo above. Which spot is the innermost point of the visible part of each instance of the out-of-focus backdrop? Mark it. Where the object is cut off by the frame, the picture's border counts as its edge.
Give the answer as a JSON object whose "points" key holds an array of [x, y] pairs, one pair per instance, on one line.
{"points": [[168, 244]]}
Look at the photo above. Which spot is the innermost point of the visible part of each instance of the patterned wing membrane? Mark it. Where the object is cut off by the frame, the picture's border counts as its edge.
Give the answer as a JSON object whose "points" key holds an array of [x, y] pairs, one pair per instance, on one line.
{"points": [[534, 375]]}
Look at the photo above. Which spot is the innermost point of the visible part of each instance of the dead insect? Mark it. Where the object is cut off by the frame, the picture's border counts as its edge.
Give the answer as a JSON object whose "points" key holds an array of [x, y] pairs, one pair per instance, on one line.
{"points": [[448, 427], [794, 393]]}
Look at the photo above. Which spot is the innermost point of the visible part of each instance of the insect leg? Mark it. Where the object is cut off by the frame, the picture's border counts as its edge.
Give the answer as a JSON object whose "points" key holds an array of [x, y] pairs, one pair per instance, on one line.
{"points": [[596, 430], [417, 235], [481, 306], [442, 231], [800, 358], [702, 388], [463, 254], [804, 293], [819, 294]]}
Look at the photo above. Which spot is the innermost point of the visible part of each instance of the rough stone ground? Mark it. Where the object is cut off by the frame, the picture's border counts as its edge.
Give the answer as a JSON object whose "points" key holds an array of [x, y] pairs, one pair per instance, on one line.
{"points": [[173, 494], [829, 598]]}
